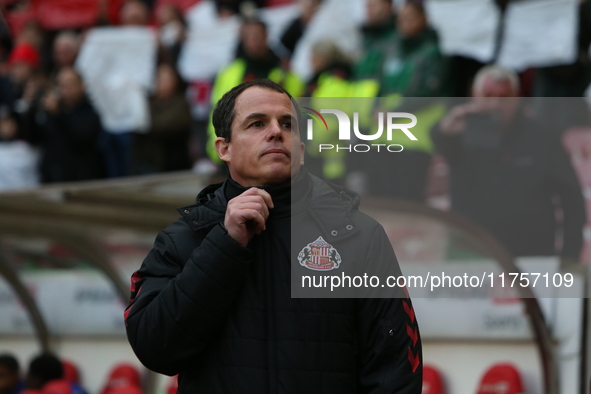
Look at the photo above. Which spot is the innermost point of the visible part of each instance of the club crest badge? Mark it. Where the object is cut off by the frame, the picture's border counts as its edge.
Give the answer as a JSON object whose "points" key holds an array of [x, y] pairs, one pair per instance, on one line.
{"points": [[319, 256]]}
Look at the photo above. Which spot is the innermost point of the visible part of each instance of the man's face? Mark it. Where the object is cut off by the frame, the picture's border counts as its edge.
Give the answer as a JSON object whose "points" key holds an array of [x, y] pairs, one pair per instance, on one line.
{"points": [[410, 21], [495, 88], [134, 13], [254, 40], [8, 132], [263, 149], [70, 86], [64, 52], [378, 11], [497, 96]]}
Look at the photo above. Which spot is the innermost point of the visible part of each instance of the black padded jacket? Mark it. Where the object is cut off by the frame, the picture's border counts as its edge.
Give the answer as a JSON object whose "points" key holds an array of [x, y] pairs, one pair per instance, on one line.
{"points": [[221, 315]]}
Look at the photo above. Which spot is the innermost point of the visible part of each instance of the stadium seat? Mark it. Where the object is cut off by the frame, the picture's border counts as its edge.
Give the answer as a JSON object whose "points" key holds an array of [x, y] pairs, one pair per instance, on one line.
{"points": [[432, 381], [501, 379]]}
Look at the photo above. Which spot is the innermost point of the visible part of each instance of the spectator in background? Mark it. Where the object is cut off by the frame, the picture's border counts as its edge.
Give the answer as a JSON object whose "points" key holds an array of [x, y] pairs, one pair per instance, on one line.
{"points": [[377, 32], [172, 32], [22, 87], [412, 64], [166, 146], [46, 376], [18, 160], [380, 24], [254, 60], [117, 141], [329, 64], [32, 34], [65, 49], [70, 130], [42, 369], [295, 30], [10, 379], [254, 51], [134, 13], [331, 78], [507, 170], [23, 61]]}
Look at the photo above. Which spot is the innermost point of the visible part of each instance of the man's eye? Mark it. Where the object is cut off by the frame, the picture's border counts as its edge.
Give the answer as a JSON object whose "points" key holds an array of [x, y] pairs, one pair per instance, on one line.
{"points": [[287, 125], [258, 123]]}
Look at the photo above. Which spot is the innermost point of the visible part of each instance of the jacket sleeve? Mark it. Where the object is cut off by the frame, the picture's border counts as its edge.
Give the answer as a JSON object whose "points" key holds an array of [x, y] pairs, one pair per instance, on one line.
{"points": [[390, 347], [177, 307]]}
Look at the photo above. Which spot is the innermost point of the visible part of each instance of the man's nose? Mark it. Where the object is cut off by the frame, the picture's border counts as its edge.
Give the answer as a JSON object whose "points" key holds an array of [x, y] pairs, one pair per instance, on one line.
{"points": [[274, 131]]}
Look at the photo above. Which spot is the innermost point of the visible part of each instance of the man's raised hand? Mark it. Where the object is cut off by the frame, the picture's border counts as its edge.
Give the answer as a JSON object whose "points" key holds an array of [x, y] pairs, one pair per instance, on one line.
{"points": [[247, 214]]}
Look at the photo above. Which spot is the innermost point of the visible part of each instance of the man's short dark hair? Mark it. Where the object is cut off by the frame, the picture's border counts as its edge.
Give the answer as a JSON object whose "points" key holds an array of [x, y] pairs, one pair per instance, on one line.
{"points": [[9, 362], [224, 112]]}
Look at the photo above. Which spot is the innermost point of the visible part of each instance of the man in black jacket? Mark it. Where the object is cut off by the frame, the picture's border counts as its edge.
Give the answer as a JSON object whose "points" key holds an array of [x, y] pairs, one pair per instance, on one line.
{"points": [[212, 300]]}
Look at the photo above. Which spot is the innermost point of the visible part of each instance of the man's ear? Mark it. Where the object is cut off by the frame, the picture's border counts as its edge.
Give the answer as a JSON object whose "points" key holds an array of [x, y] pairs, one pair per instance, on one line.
{"points": [[303, 148], [222, 147]]}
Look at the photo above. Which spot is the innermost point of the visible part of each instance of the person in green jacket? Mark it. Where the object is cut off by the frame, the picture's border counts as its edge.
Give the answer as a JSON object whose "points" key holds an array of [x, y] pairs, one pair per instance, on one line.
{"points": [[411, 66], [331, 78], [254, 60], [377, 34]]}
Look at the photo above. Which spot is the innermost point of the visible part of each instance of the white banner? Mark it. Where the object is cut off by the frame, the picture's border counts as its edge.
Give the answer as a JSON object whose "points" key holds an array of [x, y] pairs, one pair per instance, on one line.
{"points": [[212, 42], [539, 33], [465, 27], [118, 65], [337, 20]]}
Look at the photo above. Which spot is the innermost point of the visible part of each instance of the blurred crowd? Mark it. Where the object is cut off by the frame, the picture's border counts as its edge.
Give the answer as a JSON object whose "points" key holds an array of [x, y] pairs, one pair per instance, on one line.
{"points": [[48, 122], [48, 374], [52, 131], [58, 124]]}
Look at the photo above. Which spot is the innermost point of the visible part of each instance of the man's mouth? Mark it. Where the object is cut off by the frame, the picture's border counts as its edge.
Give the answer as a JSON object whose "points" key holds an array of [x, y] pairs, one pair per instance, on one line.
{"points": [[273, 151]]}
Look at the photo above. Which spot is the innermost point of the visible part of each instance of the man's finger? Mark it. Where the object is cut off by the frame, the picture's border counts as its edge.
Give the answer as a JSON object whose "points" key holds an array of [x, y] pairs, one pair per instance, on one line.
{"points": [[259, 206], [256, 223], [260, 192]]}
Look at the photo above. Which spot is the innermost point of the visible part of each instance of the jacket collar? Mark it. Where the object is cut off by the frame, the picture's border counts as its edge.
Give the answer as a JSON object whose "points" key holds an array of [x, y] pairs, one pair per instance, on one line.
{"points": [[331, 206], [209, 208]]}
